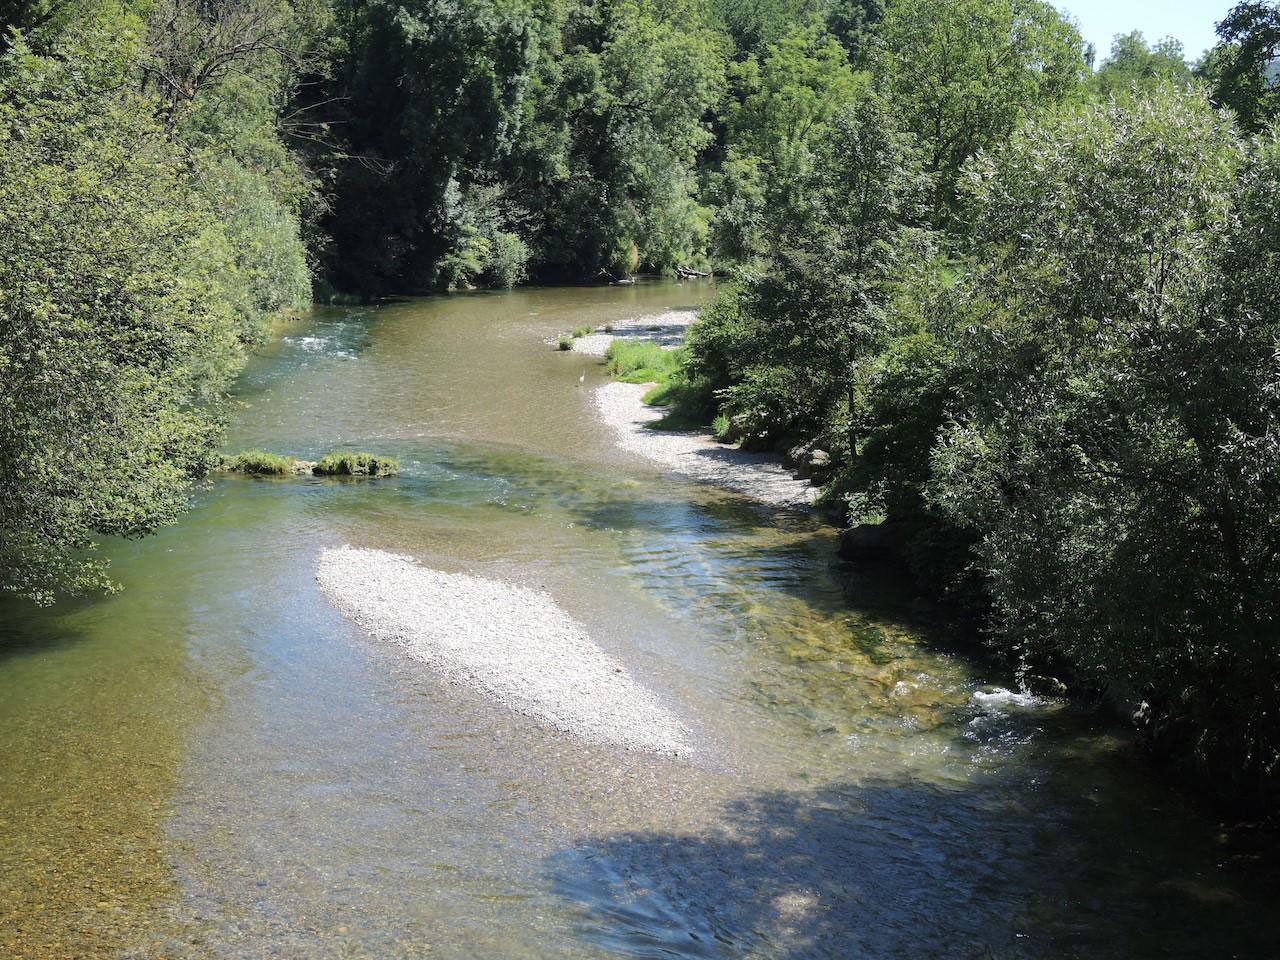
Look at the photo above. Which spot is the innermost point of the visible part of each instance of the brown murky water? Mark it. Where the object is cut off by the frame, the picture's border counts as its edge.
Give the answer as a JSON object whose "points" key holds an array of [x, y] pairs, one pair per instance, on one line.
{"points": [[214, 763]]}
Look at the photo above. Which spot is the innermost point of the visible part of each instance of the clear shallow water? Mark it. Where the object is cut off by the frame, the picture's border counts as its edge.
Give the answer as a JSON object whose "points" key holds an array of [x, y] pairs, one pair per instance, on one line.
{"points": [[214, 763]]}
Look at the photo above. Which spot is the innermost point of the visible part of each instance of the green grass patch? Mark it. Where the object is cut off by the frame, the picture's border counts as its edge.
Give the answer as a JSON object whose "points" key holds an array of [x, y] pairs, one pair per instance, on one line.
{"points": [[259, 463], [565, 343], [583, 332], [355, 465], [688, 405], [641, 361]]}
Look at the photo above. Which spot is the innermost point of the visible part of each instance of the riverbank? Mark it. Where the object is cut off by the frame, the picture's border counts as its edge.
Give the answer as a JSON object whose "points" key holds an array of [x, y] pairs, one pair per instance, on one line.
{"points": [[666, 329], [690, 453], [697, 455], [510, 643]]}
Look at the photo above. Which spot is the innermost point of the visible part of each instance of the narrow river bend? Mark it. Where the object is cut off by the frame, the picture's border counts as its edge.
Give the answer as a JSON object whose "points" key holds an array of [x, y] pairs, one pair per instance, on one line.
{"points": [[215, 763]]}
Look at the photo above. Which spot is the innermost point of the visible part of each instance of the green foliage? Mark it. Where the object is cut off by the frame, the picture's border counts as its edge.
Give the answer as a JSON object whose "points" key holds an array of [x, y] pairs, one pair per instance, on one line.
{"points": [[1135, 66], [583, 331], [961, 75], [782, 348], [488, 139], [853, 23], [270, 261], [1116, 443], [260, 463], [565, 343], [480, 250], [627, 104], [355, 465], [432, 92], [1243, 70], [786, 104], [117, 327], [754, 24], [791, 96]]}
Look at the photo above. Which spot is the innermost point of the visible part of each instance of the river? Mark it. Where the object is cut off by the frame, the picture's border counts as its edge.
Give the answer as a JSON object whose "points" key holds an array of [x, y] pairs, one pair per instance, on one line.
{"points": [[215, 763]]}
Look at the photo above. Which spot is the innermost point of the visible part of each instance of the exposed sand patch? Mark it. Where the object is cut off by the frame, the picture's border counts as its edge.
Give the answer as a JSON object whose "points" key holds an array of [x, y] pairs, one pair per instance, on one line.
{"points": [[665, 329], [698, 455], [509, 642]]}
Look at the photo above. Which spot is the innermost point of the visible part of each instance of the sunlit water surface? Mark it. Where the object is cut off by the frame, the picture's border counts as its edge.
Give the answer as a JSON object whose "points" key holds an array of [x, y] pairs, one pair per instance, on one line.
{"points": [[213, 763]]}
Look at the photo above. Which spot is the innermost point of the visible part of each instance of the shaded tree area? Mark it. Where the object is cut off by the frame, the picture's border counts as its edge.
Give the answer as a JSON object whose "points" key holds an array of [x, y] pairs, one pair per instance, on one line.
{"points": [[1039, 363], [490, 141]]}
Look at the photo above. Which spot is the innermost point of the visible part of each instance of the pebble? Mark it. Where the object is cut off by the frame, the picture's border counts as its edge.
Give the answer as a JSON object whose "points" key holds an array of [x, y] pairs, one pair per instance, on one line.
{"points": [[509, 642]]}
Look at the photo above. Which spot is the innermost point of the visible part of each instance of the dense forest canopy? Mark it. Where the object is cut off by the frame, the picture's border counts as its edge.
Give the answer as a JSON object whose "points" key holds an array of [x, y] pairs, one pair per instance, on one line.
{"points": [[1027, 305]]}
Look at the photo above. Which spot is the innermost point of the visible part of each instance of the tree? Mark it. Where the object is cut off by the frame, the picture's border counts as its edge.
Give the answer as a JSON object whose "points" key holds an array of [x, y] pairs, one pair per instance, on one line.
{"points": [[431, 95], [1116, 443], [785, 105], [1133, 65], [962, 75], [634, 91], [853, 23], [791, 96], [784, 349], [1243, 70], [117, 328], [754, 24]]}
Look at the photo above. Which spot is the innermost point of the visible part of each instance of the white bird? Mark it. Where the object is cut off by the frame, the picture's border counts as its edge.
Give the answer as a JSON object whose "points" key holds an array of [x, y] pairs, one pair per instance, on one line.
{"points": [[582, 379]]}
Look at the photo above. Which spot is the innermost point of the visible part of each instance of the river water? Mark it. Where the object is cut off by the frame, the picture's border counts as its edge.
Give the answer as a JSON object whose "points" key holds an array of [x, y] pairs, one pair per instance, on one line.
{"points": [[214, 763]]}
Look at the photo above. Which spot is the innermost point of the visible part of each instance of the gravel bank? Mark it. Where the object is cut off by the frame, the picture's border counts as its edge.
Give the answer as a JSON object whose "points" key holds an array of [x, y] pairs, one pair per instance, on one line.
{"points": [[510, 643], [665, 329], [698, 455]]}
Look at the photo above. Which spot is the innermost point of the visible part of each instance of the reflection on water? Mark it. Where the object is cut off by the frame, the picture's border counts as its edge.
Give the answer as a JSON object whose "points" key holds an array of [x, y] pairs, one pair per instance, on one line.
{"points": [[215, 763]]}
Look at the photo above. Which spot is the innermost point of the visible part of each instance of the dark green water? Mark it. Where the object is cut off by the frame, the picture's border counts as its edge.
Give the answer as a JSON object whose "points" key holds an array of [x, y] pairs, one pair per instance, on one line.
{"points": [[213, 763]]}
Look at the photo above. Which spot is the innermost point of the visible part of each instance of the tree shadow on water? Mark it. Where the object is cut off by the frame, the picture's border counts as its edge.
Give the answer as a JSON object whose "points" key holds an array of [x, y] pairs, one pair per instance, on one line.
{"points": [[886, 870]]}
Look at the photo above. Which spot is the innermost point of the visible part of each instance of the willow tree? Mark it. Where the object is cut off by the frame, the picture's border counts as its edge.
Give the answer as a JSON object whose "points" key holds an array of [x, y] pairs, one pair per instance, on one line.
{"points": [[118, 331], [1118, 442]]}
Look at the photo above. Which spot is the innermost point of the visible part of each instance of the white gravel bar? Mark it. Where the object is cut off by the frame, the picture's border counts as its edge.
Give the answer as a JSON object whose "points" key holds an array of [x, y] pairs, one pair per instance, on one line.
{"points": [[665, 329], [698, 455], [508, 642]]}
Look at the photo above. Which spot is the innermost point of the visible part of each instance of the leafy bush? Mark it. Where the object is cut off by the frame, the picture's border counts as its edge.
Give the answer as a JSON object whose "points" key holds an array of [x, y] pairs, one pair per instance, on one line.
{"points": [[508, 260], [270, 259]]}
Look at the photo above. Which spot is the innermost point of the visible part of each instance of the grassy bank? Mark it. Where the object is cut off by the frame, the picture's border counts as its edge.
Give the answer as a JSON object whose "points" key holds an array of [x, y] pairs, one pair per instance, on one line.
{"points": [[688, 406]]}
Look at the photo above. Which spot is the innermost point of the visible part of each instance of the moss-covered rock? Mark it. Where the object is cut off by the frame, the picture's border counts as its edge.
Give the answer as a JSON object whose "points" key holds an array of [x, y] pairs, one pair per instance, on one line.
{"points": [[263, 463], [355, 465]]}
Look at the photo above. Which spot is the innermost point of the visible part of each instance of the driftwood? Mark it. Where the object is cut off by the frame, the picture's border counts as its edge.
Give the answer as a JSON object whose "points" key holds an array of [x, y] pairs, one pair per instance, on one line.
{"points": [[688, 273]]}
